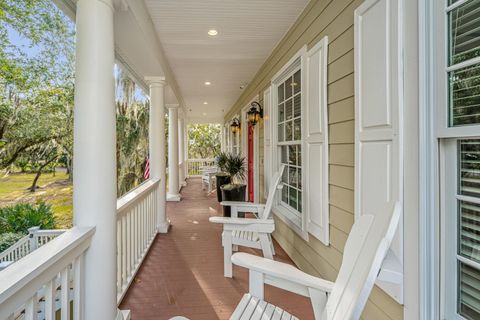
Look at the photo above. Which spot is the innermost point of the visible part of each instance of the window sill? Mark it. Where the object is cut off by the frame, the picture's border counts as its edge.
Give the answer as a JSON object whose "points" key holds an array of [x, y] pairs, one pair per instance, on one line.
{"points": [[291, 220]]}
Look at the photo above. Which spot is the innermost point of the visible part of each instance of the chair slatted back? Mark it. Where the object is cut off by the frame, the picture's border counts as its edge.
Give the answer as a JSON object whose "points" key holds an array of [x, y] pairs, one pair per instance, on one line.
{"points": [[365, 250], [272, 191]]}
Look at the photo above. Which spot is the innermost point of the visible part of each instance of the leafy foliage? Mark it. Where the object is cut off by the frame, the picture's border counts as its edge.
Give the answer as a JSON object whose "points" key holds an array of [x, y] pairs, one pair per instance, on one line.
{"points": [[19, 218], [203, 141], [235, 167], [8, 239], [221, 160], [132, 132]]}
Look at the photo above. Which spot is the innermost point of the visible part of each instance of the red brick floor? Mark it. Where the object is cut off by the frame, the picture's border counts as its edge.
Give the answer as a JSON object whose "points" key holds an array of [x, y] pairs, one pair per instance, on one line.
{"points": [[183, 272]]}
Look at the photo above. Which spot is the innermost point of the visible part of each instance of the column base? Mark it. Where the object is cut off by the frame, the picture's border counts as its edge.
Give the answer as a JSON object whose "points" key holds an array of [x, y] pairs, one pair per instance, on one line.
{"points": [[163, 227], [173, 197]]}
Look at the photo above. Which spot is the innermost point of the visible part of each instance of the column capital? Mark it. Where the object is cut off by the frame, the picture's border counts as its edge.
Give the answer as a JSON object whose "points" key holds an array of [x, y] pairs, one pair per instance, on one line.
{"points": [[155, 81], [172, 105]]}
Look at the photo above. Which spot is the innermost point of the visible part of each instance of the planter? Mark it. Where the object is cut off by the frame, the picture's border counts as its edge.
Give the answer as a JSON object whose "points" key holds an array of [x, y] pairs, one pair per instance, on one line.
{"points": [[236, 193], [221, 180]]}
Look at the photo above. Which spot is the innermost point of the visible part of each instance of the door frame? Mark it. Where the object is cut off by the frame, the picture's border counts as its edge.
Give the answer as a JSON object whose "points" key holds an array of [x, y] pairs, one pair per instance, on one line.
{"points": [[244, 133]]}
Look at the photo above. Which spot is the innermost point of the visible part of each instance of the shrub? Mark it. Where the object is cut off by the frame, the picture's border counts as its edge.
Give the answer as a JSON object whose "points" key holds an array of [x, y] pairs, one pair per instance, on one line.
{"points": [[20, 217], [8, 239]]}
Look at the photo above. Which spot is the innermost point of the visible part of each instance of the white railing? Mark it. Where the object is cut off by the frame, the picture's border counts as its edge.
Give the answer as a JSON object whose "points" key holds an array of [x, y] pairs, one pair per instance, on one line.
{"points": [[136, 230], [194, 166], [46, 281], [35, 239]]}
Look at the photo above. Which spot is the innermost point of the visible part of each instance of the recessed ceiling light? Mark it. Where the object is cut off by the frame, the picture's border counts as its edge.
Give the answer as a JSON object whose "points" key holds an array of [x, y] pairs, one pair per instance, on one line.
{"points": [[207, 83], [205, 102], [204, 113], [212, 32]]}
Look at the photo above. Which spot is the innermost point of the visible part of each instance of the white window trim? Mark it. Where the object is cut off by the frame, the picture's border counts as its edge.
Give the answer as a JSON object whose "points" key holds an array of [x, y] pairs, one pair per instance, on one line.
{"points": [[435, 146], [297, 224]]}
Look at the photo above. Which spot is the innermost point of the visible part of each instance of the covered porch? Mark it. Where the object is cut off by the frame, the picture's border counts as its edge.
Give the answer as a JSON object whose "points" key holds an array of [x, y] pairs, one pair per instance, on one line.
{"points": [[183, 272]]}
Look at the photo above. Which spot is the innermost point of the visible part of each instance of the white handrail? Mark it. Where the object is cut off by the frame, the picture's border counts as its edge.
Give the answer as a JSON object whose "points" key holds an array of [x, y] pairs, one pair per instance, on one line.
{"points": [[136, 230], [35, 239], [44, 277], [194, 166]]}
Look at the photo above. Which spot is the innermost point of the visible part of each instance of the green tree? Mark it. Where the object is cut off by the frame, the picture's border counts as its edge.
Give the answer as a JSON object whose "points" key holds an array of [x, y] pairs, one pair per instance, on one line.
{"points": [[203, 141]]}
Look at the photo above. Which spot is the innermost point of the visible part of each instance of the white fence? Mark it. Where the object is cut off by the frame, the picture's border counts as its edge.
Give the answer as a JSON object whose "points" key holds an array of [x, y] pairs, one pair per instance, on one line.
{"points": [[45, 282], [194, 166], [136, 230], [35, 239]]}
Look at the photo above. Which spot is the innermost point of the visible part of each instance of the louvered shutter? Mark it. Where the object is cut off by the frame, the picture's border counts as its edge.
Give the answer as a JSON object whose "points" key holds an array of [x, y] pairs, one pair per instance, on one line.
{"points": [[316, 142], [378, 135], [267, 143]]}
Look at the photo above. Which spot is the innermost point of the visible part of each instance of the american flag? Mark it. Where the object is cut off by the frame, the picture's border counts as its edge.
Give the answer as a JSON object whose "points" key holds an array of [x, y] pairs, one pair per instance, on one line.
{"points": [[146, 174]]}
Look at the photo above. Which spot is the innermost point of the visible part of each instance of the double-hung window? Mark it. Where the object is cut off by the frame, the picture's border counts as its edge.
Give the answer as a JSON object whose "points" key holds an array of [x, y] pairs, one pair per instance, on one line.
{"points": [[287, 140], [458, 130]]}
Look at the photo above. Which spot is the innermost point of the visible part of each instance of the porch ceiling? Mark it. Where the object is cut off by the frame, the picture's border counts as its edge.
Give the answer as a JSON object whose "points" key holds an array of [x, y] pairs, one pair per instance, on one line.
{"points": [[248, 31]]}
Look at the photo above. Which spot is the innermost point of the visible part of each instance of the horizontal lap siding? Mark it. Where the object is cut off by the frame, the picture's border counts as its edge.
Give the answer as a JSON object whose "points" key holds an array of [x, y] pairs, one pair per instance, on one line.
{"points": [[335, 20]]}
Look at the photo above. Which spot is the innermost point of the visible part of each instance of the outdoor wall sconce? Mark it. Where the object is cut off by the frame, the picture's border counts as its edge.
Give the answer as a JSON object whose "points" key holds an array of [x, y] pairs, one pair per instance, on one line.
{"points": [[255, 114], [235, 125]]}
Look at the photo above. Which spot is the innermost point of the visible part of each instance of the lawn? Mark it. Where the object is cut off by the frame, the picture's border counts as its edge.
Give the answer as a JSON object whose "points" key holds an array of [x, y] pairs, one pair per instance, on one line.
{"points": [[55, 189]]}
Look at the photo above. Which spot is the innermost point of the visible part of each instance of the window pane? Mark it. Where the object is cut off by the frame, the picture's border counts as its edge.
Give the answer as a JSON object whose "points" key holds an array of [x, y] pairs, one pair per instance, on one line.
{"points": [[284, 154], [292, 199], [285, 175], [469, 175], [288, 88], [288, 109], [297, 82], [297, 129], [281, 136], [285, 194], [299, 201], [299, 154], [299, 177], [281, 112], [292, 155], [281, 95], [468, 292], [293, 178], [464, 29], [464, 92], [469, 230], [288, 131], [297, 105]]}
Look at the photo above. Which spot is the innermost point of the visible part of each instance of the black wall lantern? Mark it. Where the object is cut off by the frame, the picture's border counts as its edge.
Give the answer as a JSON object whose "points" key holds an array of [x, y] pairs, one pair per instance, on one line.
{"points": [[255, 114], [235, 125]]}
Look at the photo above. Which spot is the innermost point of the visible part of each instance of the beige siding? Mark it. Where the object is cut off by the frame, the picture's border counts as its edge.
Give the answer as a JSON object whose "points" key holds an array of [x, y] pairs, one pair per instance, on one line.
{"points": [[332, 18]]}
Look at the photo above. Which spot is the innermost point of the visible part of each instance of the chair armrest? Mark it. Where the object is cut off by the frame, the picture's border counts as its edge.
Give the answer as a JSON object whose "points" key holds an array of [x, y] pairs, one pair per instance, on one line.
{"points": [[277, 272], [245, 224]]}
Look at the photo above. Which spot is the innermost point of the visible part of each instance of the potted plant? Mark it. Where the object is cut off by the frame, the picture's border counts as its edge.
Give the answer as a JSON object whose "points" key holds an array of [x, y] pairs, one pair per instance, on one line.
{"points": [[236, 189], [222, 176]]}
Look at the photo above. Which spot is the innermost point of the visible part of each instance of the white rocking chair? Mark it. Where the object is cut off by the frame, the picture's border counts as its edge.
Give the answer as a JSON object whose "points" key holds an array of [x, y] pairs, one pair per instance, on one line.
{"points": [[252, 233], [344, 299]]}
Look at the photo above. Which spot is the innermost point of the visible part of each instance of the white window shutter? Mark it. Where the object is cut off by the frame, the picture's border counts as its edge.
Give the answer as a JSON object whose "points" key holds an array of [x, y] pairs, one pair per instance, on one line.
{"points": [[378, 119], [316, 143], [267, 143]]}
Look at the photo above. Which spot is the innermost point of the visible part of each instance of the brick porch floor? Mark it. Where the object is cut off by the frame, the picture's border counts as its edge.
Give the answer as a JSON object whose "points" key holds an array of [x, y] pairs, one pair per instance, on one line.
{"points": [[183, 272]]}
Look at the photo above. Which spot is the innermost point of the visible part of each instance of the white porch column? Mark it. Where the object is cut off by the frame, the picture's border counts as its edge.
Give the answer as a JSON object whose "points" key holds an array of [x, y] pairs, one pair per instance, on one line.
{"points": [[157, 146], [173, 186], [181, 150], [94, 170]]}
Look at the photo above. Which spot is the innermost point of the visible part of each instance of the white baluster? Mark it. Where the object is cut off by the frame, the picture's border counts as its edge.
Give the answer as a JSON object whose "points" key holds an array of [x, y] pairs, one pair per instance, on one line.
{"points": [[31, 308], [64, 293], [78, 294], [50, 294]]}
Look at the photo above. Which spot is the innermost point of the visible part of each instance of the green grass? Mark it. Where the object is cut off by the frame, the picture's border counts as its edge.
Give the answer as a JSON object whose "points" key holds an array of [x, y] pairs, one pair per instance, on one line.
{"points": [[55, 190]]}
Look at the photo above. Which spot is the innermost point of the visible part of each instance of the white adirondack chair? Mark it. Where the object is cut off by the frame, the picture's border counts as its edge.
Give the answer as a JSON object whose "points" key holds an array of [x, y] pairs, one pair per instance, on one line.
{"points": [[344, 299], [208, 178], [252, 233]]}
